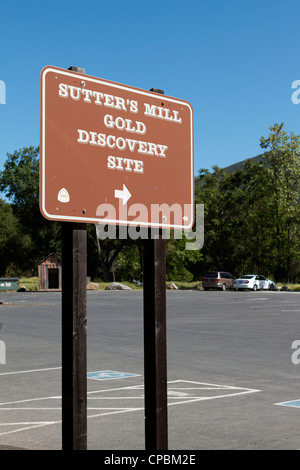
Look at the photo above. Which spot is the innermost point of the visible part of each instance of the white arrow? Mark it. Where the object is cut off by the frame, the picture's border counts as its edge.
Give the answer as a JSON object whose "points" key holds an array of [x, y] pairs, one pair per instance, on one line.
{"points": [[123, 194]]}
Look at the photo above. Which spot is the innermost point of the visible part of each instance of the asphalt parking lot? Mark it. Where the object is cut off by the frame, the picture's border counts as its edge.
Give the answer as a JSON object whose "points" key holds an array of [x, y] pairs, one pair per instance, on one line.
{"points": [[233, 373]]}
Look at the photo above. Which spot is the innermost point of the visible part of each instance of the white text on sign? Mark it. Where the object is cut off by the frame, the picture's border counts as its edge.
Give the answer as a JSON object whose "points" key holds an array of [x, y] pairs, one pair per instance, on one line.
{"points": [[112, 142]]}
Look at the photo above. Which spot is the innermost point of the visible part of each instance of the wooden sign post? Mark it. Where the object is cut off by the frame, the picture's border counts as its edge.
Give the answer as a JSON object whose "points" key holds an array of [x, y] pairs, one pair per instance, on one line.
{"points": [[155, 341], [74, 337], [105, 145], [155, 344]]}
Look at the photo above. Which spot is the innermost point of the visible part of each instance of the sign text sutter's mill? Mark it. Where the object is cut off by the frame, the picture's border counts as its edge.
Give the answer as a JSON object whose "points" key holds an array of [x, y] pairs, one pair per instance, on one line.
{"points": [[114, 154]]}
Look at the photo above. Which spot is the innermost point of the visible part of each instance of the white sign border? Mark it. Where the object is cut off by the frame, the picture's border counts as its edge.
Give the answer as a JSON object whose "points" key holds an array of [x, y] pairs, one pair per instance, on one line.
{"points": [[93, 220]]}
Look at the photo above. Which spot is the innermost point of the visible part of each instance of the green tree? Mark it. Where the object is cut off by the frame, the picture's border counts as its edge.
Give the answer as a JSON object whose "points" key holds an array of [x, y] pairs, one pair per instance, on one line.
{"points": [[181, 263], [19, 181], [250, 231], [213, 190], [103, 254], [282, 160], [12, 242], [252, 214]]}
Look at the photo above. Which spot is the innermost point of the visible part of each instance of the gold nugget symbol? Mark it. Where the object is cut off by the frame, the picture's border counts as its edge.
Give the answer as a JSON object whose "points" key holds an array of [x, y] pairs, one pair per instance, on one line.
{"points": [[63, 195]]}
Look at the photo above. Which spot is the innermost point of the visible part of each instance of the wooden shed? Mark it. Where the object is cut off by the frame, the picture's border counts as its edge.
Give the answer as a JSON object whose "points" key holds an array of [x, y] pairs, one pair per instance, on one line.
{"points": [[49, 272]]}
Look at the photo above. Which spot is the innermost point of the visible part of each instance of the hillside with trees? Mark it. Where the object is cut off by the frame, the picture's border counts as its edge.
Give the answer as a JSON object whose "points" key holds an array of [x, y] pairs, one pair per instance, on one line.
{"points": [[252, 214]]}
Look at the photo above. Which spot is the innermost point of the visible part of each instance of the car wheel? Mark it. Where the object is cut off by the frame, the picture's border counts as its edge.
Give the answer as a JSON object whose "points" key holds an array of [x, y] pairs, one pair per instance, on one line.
{"points": [[255, 288], [224, 287], [272, 287]]}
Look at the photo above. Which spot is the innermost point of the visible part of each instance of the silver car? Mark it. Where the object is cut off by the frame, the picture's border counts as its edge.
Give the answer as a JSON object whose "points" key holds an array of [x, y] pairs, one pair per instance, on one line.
{"points": [[254, 282]]}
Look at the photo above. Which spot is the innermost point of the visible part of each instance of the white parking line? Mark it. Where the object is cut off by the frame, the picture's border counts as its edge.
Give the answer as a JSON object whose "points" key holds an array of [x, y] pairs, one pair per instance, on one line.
{"points": [[290, 310], [179, 392], [29, 371]]}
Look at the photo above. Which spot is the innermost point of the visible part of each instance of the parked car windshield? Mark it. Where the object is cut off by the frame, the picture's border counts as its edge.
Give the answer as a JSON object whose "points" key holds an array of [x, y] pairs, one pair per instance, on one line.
{"points": [[246, 277], [211, 275]]}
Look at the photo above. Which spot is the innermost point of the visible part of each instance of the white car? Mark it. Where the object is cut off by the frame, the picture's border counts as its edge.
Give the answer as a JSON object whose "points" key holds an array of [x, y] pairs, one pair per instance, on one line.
{"points": [[254, 282]]}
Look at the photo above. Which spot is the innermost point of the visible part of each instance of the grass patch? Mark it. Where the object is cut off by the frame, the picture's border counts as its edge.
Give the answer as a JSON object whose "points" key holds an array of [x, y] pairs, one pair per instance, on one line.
{"points": [[30, 283], [292, 287]]}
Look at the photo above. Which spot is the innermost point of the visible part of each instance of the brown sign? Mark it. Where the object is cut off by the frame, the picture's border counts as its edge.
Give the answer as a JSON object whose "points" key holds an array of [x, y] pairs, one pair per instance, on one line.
{"points": [[115, 154]]}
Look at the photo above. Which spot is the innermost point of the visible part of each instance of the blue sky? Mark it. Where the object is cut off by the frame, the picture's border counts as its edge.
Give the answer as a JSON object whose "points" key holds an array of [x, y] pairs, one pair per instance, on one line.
{"points": [[234, 61]]}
